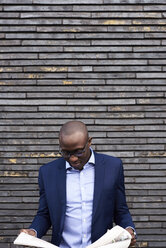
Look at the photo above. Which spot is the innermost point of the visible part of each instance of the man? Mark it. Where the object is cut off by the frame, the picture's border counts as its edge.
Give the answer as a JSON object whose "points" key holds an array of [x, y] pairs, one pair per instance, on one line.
{"points": [[81, 194]]}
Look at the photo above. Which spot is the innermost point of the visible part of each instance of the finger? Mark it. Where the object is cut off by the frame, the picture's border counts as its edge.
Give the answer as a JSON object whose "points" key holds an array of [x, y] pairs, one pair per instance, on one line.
{"points": [[24, 230], [133, 242]]}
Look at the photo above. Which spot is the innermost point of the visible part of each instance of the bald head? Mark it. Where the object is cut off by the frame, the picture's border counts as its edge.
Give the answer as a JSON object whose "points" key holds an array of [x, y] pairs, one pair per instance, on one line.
{"points": [[73, 127]]}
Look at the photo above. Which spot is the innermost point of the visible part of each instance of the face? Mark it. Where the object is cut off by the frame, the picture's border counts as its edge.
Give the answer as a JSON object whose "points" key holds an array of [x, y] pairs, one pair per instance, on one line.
{"points": [[75, 149]]}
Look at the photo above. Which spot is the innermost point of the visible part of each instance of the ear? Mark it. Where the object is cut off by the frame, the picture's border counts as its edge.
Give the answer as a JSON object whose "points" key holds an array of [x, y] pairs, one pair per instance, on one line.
{"points": [[90, 141]]}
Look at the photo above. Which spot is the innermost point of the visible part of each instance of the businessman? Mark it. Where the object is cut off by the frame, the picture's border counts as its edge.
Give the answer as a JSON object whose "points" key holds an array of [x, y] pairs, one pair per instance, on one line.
{"points": [[81, 194]]}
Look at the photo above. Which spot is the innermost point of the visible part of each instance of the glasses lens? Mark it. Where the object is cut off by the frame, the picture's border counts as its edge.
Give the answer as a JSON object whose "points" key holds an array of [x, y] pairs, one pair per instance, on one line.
{"points": [[65, 153], [77, 153]]}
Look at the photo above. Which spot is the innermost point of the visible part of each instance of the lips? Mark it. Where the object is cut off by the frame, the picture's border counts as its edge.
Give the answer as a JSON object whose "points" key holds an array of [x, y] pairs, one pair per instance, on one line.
{"points": [[75, 164]]}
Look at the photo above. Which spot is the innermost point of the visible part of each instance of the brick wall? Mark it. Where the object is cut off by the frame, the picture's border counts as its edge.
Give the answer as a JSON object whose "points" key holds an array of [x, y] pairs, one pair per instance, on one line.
{"points": [[99, 61]]}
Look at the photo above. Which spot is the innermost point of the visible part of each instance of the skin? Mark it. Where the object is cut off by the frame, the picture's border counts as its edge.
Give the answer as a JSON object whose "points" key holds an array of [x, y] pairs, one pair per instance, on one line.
{"points": [[77, 140], [74, 136], [133, 240]]}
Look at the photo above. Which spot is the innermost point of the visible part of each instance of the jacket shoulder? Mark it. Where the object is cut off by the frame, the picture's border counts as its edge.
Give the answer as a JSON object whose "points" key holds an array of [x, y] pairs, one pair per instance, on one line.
{"points": [[109, 159], [53, 164]]}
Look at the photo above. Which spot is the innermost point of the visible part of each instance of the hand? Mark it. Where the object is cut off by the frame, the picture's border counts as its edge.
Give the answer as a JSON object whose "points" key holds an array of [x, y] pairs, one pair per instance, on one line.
{"points": [[29, 231], [133, 240]]}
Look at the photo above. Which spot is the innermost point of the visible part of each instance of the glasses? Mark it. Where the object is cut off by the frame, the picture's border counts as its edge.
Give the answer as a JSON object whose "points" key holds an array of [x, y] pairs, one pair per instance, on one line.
{"points": [[77, 153]]}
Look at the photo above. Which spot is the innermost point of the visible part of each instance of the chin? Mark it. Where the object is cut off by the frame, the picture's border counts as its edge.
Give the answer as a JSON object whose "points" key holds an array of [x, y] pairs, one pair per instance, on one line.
{"points": [[77, 166]]}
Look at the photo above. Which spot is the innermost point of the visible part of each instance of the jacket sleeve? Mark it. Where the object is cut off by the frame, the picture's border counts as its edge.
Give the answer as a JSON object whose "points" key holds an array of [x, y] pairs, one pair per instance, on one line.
{"points": [[122, 215], [41, 221]]}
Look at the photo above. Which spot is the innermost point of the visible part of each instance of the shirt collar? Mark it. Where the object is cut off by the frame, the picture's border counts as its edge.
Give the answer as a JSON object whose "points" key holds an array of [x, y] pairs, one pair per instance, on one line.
{"points": [[90, 161]]}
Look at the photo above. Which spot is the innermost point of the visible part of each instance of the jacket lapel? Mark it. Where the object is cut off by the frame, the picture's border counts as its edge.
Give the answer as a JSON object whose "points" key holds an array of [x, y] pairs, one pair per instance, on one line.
{"points": [[61, 187], [61, 182], [99, 179]]}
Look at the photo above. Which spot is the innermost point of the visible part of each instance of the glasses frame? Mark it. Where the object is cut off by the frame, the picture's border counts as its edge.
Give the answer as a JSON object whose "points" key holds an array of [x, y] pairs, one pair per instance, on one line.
{"points": [[67, 154]]}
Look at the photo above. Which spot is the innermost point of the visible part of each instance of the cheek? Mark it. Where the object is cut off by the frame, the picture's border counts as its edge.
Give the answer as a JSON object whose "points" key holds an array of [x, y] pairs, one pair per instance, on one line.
{"points": [[85, 157]]}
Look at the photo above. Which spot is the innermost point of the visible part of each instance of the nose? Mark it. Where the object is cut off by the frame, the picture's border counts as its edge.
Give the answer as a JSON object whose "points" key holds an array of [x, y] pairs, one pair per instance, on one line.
{"points": [[73, 158]]}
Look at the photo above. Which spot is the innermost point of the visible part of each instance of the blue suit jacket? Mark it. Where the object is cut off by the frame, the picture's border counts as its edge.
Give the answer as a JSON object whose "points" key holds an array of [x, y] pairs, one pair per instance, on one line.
{"points": [[109, 203]]}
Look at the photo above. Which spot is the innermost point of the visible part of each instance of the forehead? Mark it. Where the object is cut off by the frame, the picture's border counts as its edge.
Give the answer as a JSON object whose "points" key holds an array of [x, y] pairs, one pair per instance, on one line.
{"points": [[72, 142]]}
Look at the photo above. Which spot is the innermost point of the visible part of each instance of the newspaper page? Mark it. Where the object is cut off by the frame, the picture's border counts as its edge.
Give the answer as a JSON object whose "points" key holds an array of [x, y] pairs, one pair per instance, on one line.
{"points": [[29, 240], [117, 237]]}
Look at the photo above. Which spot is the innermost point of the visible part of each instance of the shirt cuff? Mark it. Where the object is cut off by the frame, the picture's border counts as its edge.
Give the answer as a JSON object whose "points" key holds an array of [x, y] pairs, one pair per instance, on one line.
{"points": [[34, 231], [135, 234]]}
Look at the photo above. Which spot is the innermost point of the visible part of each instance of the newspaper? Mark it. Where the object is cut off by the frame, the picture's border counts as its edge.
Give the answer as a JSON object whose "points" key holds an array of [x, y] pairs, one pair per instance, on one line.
{"points": [[117, 237], [29, 240]]}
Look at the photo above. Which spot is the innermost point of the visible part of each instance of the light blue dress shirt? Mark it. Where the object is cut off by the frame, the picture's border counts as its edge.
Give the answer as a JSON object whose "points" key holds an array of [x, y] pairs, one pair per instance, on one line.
{"points": [[79, 203]]}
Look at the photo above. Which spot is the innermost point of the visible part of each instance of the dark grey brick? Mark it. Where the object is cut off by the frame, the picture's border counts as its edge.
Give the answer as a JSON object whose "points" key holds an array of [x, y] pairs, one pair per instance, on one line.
{"points": [[131, 148], [155, 7], [152, 49], [100, 102], [135, 1], [11, 69], [126, 14], [156, 115], [100, 75], [151, 75], [73, 109], [17, 29], [74, 82], [37, 8], [30, 22], [34, 115], [39, 36], [126, 42], [108, 7], [127, 68], [136, 29], [157, 61], [16, 1], [71, 29], [151, 101], [34, 102], [32, 49], [151, 128], [14, 56], [35, 75], [137, 134], [56, 42], [95, 22], [4, 63], [149, 22], [139, 56], [130, 122], [12, 95], [57, 14], [2, 36], [109, 36], [98, 49], [152, 35], [9, 15], [10, 42], [69, 2], [81, 56], [136, 82]]}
